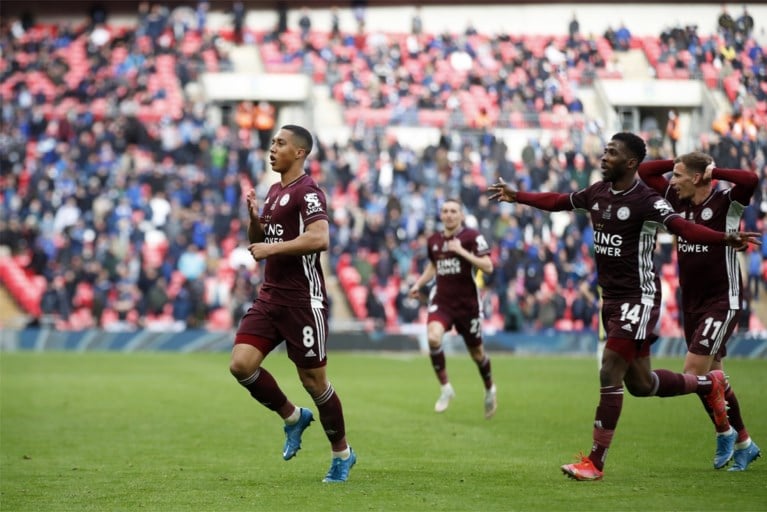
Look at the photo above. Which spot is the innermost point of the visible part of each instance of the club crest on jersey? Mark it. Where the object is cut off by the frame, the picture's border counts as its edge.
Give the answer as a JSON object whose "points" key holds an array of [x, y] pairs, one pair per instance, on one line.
{"points": [[284, 199], [313, 204], [706, 214], [624, 212], [662, 206]]}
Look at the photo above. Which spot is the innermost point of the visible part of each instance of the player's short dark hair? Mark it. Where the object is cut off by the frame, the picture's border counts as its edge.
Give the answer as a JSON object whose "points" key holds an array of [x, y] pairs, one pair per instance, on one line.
{"points": [[634, 143], [696, 161], [301, 136]]}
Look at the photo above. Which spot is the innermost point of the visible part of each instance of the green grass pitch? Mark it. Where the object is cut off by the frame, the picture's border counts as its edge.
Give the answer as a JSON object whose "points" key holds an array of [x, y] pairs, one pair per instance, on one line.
{"points": [[171, 432]]}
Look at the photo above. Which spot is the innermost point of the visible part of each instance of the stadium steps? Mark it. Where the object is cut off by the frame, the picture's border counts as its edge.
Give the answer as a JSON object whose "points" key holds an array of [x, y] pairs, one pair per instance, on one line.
{"points": [[340, 305], [11, 316], [246, 59], [633, 64]]}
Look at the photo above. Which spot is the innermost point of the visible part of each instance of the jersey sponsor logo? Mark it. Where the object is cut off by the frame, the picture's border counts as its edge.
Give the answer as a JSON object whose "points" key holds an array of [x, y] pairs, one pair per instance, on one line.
{"points": [[311, 353], [273, 233], [595, 207], [663, 207], [686, 247], [705, 343], [624, 212], [448, 266], [313, 204], [706, 214], [626, 327], [284, 199], [607, 243]]}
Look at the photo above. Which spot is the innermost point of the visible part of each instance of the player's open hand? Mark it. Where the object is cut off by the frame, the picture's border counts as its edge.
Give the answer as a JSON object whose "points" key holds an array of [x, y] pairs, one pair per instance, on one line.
{"points": [[501, 191], [252, 202], [742, 239]]}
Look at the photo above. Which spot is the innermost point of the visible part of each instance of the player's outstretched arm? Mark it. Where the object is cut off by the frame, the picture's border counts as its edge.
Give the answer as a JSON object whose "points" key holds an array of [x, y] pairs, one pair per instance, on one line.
{"points": [[549, 201], [701, 234]]}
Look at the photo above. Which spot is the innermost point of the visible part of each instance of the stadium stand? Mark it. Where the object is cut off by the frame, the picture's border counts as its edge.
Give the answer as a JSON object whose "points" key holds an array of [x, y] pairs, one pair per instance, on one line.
{"points": [[121, 202]]}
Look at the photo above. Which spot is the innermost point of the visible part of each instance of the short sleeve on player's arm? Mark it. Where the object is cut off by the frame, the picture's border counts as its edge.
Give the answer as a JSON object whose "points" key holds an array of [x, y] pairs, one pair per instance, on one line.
{"points": [[313, 206]]}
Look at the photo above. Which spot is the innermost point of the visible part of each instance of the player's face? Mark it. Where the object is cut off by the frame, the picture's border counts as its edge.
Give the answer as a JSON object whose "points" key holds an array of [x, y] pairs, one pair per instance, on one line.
{"points": [[283, 152], [683, 181], [615, 161], [451, 215]]}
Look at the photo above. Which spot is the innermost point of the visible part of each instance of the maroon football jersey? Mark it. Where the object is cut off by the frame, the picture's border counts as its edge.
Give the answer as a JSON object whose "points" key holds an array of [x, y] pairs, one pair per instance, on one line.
{"points": [[709, 274], [625, 227], [293, 280], [455, 283]]}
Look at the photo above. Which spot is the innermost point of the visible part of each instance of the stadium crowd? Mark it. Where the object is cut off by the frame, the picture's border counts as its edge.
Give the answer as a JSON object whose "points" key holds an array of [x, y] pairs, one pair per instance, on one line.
{"points": [[128, 202]]}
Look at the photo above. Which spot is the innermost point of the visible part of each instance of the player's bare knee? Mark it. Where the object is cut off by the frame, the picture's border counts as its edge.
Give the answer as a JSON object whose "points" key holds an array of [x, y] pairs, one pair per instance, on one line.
{"points": [[435, 343], [240, 368]]}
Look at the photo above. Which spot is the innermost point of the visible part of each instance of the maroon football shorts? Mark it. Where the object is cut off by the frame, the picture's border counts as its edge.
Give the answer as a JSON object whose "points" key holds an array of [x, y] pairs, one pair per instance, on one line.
{"points": [[304, 330], [467, 322], [707, 333]]}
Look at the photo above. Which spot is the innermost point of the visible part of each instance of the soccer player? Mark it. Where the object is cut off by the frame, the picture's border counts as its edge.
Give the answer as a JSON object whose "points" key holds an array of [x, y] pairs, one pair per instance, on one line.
{"points": [[626, 214], [710, 306], [454, 300], [292, 305]]}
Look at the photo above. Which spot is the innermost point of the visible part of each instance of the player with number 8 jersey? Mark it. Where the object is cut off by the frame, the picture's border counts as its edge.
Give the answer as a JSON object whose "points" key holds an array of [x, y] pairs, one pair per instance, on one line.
{"points": [[289, 234]]}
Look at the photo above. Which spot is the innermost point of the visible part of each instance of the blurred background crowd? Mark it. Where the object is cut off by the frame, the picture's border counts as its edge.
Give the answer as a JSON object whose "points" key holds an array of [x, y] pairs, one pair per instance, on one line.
{"points": [[122, 204]]}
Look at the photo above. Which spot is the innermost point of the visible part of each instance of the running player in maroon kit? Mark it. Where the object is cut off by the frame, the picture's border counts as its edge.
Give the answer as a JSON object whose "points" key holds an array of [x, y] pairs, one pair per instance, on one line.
{"points": [[710, 306], [454, 300], [626, 215], [289, 236]]}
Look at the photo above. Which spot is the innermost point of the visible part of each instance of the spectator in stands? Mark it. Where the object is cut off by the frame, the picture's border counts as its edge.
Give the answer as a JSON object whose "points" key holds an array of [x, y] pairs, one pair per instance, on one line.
{"points": [[238, 20], [454, 253], [573, 31], [56, 303], [745, 22], [725, 21], [416, 22], [673, 130], [623, 38], [716, 300], [263, 121], [305, 24]]}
